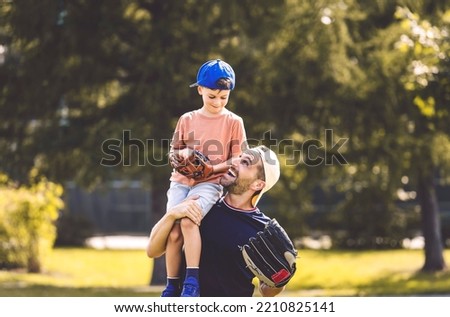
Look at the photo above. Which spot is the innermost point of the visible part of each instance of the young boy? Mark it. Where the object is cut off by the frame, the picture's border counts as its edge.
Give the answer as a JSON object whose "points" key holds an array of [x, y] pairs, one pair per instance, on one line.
{"points": [[219, 134]]}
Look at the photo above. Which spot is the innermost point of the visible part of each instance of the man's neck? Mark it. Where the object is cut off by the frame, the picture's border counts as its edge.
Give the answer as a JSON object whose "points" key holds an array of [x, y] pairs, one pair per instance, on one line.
{"points": [[242, 201]]}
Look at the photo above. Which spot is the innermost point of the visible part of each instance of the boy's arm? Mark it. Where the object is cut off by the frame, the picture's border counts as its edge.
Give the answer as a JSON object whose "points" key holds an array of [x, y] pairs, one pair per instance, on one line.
{"points": [[225, 166], [237, 145], [221, 167], [177, 143], [178, 150], [156, 245]]}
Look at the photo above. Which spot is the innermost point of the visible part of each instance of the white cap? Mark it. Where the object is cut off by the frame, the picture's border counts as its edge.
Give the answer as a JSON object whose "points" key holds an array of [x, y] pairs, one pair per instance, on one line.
{"points": [[271, 167]]}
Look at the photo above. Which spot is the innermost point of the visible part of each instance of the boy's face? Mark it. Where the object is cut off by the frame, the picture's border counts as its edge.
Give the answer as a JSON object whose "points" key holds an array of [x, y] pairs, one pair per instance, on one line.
{"points": [[213, 100]]}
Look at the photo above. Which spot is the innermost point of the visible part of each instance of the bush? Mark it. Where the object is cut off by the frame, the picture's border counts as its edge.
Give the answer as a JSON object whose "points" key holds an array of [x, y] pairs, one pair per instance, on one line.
{"points": [[27, 222]]}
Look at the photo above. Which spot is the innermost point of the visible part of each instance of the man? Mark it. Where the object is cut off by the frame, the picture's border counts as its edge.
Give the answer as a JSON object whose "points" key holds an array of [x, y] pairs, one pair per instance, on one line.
{"points": [[228, 226]]}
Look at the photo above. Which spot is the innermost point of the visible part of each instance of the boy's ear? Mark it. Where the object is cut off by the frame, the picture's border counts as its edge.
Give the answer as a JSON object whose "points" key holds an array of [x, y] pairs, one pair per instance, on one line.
{"points": [[199, 90]]}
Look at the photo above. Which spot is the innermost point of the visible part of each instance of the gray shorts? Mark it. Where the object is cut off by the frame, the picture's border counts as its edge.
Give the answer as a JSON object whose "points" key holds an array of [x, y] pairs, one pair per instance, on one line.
{"points": [[209, 193]]}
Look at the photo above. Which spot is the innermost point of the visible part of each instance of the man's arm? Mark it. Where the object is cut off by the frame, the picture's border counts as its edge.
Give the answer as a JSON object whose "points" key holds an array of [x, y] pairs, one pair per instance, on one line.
{"points": [[267, 291], [156, 245]]}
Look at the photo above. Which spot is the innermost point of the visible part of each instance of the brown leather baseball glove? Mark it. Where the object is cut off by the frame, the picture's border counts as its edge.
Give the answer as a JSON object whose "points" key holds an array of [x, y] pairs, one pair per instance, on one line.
{"points": [[196, 166]]}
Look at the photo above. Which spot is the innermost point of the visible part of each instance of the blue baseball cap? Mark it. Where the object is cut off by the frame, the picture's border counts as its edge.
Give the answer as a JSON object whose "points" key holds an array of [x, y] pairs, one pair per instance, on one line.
{"points": [[211, 71]]}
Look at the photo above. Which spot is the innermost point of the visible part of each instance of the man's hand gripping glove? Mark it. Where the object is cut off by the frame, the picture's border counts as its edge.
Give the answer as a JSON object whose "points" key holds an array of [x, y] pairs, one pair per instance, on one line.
{"points": [[271, 255]]}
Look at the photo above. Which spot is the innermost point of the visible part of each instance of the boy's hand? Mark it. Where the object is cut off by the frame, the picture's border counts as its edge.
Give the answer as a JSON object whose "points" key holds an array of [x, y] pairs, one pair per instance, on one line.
{"points": [[197, 166], [178, 157]]}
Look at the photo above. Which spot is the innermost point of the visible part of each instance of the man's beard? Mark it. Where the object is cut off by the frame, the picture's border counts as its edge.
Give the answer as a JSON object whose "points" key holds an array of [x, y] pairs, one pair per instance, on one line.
{"points": [[238, 187]]}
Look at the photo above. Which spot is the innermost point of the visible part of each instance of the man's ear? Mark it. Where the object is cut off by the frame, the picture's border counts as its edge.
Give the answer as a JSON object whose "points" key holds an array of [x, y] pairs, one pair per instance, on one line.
{"points": [[258, 185], [199, 89]]}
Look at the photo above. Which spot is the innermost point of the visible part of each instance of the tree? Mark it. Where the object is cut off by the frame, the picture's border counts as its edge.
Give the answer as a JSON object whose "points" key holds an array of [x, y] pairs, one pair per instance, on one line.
{"points": [[398, 123], [334, 64], [426, 47]]}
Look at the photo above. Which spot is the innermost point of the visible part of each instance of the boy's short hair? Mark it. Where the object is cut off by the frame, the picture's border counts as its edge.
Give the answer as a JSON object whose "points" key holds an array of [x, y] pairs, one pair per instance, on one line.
{"points": [[224, 84], [215, 74]]}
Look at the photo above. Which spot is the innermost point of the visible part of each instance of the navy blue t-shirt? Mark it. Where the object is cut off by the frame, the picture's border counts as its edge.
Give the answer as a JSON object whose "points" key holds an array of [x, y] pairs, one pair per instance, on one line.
{"points": [[223, 271]]}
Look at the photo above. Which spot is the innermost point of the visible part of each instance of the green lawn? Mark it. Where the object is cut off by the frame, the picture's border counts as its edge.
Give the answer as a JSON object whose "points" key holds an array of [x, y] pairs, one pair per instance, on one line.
{"points": [[88, 272]]}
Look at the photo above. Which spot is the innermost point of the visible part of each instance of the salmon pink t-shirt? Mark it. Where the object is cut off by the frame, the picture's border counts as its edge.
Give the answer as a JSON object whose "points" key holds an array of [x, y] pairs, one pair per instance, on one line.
{"points": [[218, 137]]}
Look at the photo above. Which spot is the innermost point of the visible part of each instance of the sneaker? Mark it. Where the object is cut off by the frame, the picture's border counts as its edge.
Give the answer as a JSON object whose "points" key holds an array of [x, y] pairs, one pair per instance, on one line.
{"points": [[171, 291], [191, 288]]}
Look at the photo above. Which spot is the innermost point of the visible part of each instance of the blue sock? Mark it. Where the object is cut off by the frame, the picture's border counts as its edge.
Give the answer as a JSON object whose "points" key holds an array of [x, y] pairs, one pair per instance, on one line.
{"points": [[192, 272], [191, 285], [174, 281]]}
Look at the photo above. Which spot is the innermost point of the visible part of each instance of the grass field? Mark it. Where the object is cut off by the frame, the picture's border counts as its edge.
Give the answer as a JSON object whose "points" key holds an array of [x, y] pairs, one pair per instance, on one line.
{"points": [[89, 272]]}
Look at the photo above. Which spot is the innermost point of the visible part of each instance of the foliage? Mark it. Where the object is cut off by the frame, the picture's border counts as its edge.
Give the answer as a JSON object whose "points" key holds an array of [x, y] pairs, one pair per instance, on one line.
{"points": [[426, 47], [375, 73], [27, 228]]}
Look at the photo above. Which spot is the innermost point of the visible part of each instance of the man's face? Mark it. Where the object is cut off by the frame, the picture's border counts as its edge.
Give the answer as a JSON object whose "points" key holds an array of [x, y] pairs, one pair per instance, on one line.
{"points": [[242, 174]]}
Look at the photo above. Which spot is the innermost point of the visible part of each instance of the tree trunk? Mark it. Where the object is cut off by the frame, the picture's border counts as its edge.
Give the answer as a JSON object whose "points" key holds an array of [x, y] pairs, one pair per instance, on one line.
{"points": [[158, 277], [431, 225], [159, 271], [33, 261]]}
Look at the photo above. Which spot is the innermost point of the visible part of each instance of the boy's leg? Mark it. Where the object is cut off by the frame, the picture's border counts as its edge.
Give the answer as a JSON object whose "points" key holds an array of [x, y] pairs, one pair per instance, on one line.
{"points": [[192, 242], [209, 194], [192, 250], [173, 262], [175, 195]]}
